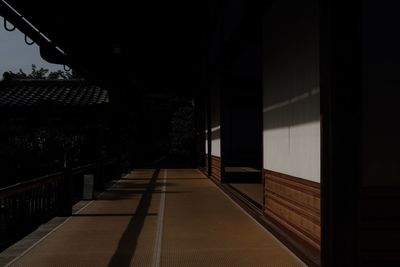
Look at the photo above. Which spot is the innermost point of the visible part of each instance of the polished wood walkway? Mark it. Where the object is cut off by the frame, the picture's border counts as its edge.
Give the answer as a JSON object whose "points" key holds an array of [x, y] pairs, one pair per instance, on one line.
{"points": [[159, 218]]}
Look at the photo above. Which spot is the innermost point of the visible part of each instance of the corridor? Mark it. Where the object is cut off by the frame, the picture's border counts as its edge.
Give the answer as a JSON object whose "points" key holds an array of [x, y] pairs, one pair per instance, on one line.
{"points": [[161, 217]]}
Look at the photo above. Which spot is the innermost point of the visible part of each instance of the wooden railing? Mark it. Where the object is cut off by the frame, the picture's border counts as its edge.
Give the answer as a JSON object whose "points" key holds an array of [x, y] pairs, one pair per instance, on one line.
{"points": [[26, 205]]}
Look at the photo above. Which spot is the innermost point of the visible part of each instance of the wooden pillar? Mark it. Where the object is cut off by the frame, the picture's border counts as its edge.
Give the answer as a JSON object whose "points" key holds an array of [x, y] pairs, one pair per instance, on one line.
{"points": [[200, 127], [340, 136], [208, 127], [116, 101], [65, 193], [359, 85]]}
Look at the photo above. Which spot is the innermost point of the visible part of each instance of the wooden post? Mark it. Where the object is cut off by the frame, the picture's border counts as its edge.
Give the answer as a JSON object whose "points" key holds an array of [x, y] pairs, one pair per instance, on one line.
{"points": [[341, 133], [208, 107], [65, 191]]}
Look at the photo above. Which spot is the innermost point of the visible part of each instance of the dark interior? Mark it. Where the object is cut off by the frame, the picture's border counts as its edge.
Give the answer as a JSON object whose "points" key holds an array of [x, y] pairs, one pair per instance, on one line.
{"points": [[242, 138]]}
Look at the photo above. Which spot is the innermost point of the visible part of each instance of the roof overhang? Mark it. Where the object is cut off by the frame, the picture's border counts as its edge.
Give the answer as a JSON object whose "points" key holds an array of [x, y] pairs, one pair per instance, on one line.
{"points": [[158, 44]]}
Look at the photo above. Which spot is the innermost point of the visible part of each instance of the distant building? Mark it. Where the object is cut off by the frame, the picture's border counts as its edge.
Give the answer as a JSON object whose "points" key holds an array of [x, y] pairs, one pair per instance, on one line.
{"points": [[51, 99], [45, 123]]}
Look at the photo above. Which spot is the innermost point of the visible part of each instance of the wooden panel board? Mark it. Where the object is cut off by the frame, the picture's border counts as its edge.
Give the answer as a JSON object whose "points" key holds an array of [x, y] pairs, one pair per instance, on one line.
{"points": [[216, 167], [294, 203]]}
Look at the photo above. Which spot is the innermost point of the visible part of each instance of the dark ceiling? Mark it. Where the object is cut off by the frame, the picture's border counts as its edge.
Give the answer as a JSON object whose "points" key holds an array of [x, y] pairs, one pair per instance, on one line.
{"points": [[156, 44]]}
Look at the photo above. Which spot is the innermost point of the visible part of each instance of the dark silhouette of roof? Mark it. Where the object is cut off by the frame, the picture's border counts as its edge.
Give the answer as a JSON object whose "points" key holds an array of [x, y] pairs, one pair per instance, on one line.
{"points": [[30, 93]]}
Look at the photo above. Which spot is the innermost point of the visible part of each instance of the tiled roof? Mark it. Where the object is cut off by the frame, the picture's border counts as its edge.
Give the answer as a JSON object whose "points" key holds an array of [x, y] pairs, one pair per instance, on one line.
{"points": [[29, 93]]}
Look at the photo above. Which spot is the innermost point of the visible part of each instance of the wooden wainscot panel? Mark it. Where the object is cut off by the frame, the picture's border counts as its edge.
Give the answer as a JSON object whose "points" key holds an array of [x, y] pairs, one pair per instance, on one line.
{"points": [[216, 167], [294, 204]]}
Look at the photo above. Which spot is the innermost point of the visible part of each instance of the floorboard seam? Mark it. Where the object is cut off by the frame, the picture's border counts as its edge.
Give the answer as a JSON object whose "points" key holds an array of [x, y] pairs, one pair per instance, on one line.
{"points": [[160, 225]]}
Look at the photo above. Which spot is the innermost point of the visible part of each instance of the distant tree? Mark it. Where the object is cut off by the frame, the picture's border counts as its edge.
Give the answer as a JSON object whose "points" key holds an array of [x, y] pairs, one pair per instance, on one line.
{"points": [[42, 73], [16, 75], [59, 74], [38, 73], [182, 132]]}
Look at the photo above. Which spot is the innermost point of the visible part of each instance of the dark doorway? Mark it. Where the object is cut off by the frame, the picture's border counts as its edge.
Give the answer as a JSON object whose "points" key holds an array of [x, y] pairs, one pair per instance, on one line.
{"points": [[242, 142]]}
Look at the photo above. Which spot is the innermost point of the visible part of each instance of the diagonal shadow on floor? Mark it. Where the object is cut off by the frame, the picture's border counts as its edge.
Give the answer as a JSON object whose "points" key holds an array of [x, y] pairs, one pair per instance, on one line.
{"points": [[127, 245]]}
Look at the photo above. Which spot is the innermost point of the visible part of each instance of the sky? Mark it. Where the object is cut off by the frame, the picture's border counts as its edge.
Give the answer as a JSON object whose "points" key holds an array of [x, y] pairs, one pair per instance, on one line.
{"points": [[15, 54]]}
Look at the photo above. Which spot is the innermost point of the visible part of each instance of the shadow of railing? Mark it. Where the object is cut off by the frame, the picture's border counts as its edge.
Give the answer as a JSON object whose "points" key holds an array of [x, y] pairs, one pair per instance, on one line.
{"points": [[128, 242]]}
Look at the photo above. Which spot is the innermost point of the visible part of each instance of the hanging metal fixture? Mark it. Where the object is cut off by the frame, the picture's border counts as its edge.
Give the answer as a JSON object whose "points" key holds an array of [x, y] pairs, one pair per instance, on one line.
{"points": [[15, 20], [28, 41], [66, 68], [7, 28]]}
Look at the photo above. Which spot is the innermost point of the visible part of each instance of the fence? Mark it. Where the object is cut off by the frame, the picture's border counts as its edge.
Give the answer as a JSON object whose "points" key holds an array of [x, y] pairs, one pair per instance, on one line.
{"points": [[26, 205]]}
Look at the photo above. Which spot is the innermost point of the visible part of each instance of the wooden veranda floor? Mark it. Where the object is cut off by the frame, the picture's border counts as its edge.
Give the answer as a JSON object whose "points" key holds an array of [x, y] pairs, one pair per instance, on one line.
{"points": [[159, 218]]}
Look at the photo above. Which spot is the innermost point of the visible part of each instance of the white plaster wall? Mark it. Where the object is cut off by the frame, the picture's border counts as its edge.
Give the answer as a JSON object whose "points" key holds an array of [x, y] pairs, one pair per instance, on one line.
{"points": [[291, 98], [215, 142], [205, 142], [215, 120]]}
